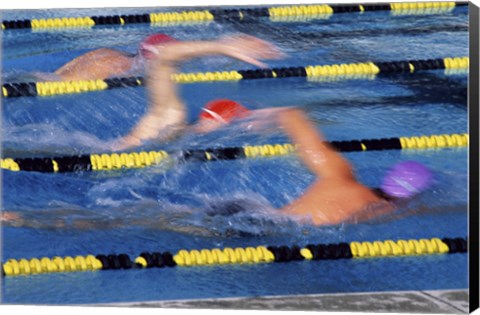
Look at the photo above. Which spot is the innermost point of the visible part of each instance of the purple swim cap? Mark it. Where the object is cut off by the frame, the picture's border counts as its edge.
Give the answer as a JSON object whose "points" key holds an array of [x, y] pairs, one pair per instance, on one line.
{"points": [[406, 179]]}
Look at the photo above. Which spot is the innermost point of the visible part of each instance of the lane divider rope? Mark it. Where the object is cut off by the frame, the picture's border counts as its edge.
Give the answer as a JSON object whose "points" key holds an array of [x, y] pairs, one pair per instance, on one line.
{"points": [[341, 71], [248, 255], [274, 13], [131, 160]]}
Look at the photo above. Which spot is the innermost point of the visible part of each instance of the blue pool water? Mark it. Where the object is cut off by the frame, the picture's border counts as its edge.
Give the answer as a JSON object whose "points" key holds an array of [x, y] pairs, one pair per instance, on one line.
{"points": [[132, 211]]}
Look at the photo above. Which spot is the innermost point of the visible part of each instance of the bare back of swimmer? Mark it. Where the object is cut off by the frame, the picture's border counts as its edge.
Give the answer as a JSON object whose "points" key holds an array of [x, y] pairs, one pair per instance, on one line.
{"points": [[105, 62], [97, 64]]}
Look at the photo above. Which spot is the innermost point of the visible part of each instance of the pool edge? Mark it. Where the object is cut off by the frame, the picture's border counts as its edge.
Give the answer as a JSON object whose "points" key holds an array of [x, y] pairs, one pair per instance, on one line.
{"points": [[435, 301]]}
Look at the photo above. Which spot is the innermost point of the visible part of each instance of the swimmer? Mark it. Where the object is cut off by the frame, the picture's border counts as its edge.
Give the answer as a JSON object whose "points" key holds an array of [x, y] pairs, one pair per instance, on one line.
{"points": [[337, 196], [104, 63], [99, 64], [166, 116]]}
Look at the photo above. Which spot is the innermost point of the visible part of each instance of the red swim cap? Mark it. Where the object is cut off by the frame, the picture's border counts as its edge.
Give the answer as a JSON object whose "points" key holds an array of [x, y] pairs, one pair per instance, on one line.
{"points": [[147, 47], [223, 110]]}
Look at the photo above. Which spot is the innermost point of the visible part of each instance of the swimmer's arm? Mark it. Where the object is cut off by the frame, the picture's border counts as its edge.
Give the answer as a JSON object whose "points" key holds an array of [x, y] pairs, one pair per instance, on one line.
{"points": [[246, 48], [317, 155], [166, 116]]}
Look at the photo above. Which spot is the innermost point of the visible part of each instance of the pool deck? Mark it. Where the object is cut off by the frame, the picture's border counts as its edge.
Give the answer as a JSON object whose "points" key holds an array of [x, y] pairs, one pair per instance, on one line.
{"points": [[438, 302]]}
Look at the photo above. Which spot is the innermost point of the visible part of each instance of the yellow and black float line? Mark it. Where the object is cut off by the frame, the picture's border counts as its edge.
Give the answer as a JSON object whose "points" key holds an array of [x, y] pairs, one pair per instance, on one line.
{"points": [[115, 161], [335, 70], [227, 14], [249, 255]]}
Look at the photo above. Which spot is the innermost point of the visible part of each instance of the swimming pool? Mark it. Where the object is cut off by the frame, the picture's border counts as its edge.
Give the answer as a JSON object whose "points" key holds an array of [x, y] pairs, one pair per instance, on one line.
{"points": [[136, 210]]}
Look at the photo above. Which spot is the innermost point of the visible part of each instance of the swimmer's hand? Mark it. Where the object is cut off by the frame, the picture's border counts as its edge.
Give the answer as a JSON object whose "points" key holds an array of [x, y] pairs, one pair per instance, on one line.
{"points": [[250, 49], [6, 216]]}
